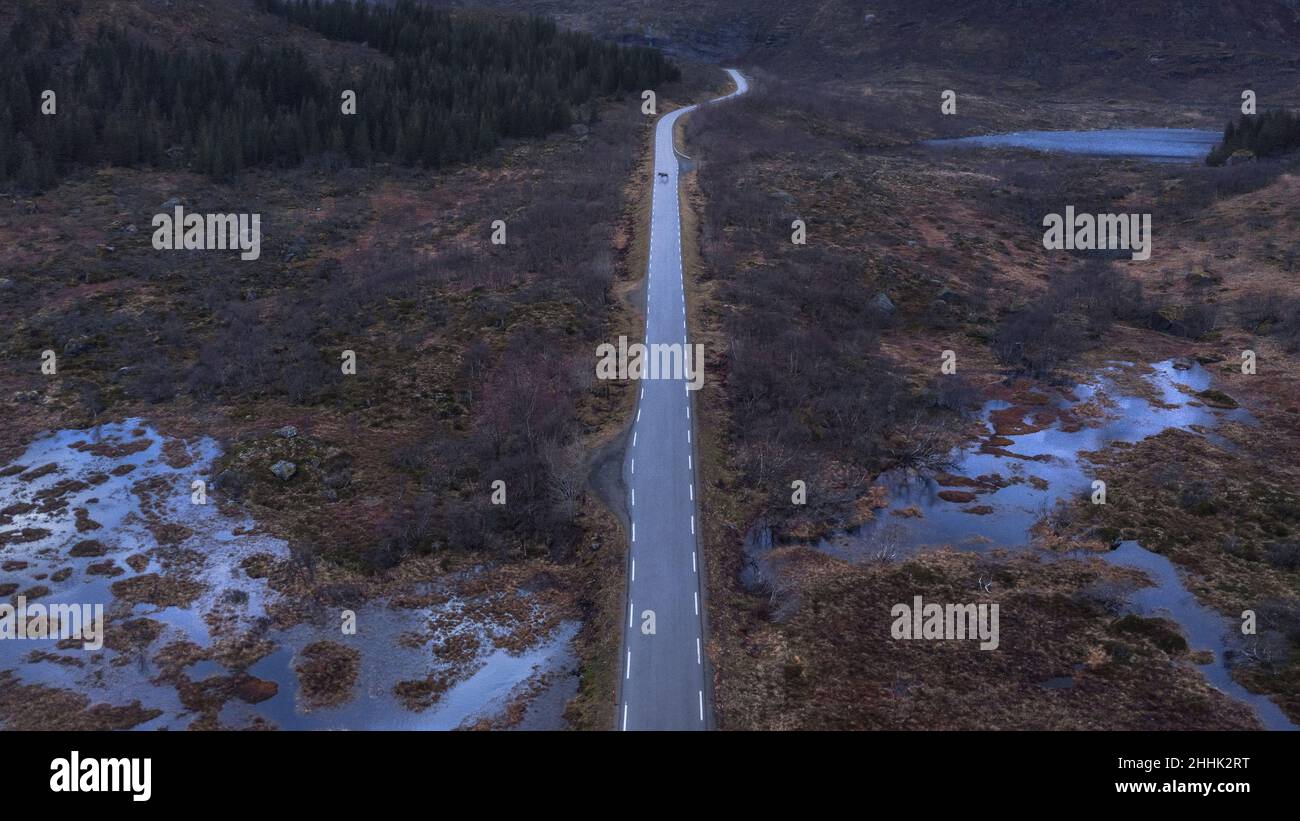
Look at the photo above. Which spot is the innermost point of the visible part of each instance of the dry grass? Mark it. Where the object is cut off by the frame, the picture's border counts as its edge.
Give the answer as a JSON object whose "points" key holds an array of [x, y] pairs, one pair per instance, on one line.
{"points": [[833, 664], [815, 652]]}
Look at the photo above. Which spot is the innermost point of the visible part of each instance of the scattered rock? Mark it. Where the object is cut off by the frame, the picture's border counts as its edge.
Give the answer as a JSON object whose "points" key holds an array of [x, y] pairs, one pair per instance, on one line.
{"points": [[77, 345], [232, 482], [284, 470], [287, 432], [882, 303]]}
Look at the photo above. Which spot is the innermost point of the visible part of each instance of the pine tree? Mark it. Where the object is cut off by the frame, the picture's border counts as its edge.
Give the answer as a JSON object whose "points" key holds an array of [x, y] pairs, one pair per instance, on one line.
{"points": [[454, 87]]}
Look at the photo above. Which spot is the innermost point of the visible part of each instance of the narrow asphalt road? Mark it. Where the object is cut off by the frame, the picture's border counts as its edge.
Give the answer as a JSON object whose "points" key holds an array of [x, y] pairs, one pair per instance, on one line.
{"points": [[663, 675]]}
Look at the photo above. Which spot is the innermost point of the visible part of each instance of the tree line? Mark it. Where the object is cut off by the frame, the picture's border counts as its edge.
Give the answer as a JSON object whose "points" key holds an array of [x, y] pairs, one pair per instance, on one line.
{"points": [[457, 85], [1265, 135]]}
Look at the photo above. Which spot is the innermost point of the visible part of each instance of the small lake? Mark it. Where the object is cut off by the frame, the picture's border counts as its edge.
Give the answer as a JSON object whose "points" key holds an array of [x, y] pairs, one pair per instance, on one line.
{"points": [[1018, 483], [496, 677], [127, 479], [1006, 483], [1155, 144]]}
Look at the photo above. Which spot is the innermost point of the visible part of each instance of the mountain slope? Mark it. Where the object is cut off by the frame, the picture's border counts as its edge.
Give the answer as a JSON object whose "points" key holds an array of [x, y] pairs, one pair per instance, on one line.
{"points": [[1161, 46]]}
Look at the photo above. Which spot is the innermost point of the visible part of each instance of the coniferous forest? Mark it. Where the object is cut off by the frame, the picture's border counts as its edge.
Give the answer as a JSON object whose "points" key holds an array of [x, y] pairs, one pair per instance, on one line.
{"points": [[455, 86], [1265, 135]]}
